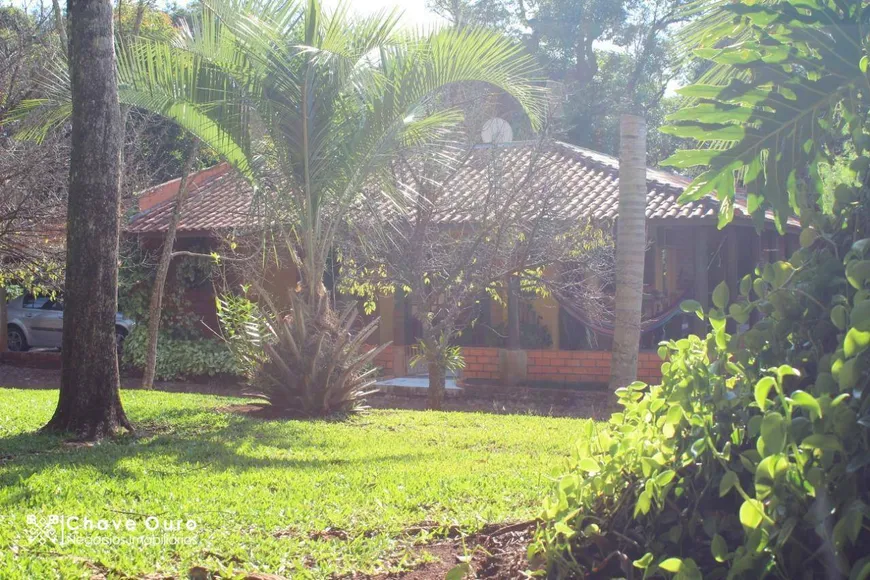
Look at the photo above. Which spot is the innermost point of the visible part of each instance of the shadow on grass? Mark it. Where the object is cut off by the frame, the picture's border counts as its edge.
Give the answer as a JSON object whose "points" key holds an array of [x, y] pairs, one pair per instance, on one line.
{"points": [[184, 440]]}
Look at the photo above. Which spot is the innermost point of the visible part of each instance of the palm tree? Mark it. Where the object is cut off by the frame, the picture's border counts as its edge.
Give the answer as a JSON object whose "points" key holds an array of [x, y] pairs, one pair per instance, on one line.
{"points": [[630, 251], [318, 102]]}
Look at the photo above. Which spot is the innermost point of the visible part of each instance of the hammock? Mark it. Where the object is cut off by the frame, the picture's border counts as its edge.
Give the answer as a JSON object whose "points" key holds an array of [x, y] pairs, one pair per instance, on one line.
{"points": [[646, 326]]}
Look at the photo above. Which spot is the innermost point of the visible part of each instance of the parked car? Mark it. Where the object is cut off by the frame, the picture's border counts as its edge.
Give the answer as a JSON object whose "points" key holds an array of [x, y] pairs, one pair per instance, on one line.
{"points": [[38, 323]]}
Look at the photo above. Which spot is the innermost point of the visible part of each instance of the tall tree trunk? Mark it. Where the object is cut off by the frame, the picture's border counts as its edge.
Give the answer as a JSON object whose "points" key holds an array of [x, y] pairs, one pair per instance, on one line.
{"points": [[513, 313], [4, 320], [630, 250], [437, 385], [140, 15], [59, 26], [90, 402], [156, 307]]}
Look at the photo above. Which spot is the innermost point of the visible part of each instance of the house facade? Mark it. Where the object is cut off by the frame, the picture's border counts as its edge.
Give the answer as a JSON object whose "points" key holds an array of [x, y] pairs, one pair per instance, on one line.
{"points": [[687, 257]]}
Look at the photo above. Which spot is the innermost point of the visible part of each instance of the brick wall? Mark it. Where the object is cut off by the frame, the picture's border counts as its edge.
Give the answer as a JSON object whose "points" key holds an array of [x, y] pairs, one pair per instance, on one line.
{"points": [[480, 363], [649, 367], [560, 366], [384, 359]]}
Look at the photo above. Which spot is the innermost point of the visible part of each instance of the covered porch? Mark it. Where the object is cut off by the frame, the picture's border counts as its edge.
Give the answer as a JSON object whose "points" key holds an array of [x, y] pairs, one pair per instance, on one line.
{"points": [[560, 345]]}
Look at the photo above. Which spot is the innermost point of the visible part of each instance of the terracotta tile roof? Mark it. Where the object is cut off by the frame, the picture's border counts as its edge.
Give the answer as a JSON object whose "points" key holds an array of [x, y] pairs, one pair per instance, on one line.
{"points": [[219, 201], [590, 181]]}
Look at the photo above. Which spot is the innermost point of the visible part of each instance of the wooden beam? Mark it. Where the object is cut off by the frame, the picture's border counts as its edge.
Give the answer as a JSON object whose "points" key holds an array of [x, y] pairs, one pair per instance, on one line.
{"points": [[702, 283], [658, 264], [732, 275]]}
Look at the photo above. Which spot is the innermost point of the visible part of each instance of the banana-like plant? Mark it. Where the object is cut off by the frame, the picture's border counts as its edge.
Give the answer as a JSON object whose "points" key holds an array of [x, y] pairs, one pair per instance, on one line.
{"points": [[800, 82], [316, 103]]}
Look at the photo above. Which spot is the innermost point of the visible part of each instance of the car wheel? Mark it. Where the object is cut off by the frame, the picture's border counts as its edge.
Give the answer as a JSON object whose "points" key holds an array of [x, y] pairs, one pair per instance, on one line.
{"points": [[16, 341], [120, 336]]}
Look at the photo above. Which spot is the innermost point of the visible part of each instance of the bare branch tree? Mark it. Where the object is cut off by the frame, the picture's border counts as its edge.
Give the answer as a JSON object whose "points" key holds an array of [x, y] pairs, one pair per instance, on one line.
{"points": [[465, 219]]}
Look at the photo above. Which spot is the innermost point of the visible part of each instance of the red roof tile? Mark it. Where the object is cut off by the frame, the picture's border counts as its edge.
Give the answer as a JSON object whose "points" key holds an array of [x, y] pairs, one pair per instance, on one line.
{"points": [[591, 180], [220, 201]]}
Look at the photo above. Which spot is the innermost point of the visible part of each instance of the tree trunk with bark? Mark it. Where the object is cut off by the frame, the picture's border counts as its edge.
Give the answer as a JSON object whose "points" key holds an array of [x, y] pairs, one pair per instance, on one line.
{"points": [[155, 309], [90, 402], [4, 321], [513, 313], [59, 26], [630, 251], [437, 385]]}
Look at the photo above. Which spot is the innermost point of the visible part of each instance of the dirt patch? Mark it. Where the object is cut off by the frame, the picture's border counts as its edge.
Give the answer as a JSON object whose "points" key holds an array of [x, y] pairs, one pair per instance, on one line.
{"points": [[254, 410], [497, 552]]}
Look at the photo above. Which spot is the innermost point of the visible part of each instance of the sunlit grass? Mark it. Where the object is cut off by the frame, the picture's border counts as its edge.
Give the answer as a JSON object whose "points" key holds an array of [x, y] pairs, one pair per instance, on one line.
{"points": [[261, 492]]}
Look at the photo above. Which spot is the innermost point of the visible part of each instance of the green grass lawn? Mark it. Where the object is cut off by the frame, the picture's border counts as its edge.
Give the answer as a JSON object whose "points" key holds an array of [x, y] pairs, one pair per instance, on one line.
{"points": [[261, 493]]}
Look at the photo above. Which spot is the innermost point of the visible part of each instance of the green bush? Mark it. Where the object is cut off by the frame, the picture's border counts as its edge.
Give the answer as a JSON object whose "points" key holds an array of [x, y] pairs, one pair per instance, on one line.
{"points": [[751, 459], [180, 358], [305, 360]]}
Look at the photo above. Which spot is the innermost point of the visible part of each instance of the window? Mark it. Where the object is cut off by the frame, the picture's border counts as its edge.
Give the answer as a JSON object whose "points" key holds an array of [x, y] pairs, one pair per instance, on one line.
{"points": [[42, 303], [36, 303]]}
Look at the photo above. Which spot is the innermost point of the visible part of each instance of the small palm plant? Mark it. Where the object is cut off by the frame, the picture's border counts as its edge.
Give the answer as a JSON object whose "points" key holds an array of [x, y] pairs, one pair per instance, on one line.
{"points": [[315, 105]]}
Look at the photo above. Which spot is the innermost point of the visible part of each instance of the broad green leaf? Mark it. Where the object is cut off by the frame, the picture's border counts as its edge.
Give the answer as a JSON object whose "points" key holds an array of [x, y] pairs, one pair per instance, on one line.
{"points": [[644, 561], [728, 481], [721, 296], [807, 401], [860, 316], [688, 571], [759, 287], [773, 433], [808, 237], [705, 131], [856, 342], [691, 158], [762, 390], [644, 502], [783, 371], [751, 513], [857, 273], [840, 317], [671, 565], [589, 465], [822, 441], [674, 415], [848, 374], [692, 306], [719, 548], [770, 471], [665, 477], [739, 313], [782, 271]]}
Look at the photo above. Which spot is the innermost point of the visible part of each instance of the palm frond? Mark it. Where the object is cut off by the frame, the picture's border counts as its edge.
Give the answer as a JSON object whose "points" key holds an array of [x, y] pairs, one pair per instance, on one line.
{"points": [[805, 77]]}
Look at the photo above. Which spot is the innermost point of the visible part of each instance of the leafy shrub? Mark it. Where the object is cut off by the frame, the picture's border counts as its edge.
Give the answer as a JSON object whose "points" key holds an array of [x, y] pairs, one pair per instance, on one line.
{"points": [[309, 362], [751, 459], [180, 358], [182, 350], [449, 357]]}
